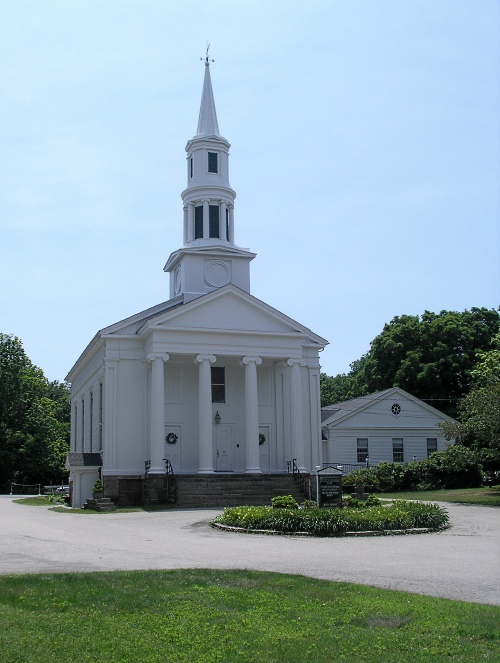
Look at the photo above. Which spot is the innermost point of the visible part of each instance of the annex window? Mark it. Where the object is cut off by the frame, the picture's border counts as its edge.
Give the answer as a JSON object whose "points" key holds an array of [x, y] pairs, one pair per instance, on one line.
{"points": [[218, 384], [198, 222], [397, 450], [362, 449], [213, 162], [432, 445], [213, 211]]}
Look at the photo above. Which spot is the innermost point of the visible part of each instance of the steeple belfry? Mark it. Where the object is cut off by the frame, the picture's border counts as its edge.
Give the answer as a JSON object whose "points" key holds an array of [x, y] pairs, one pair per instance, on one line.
{"points": [[208, 202]]}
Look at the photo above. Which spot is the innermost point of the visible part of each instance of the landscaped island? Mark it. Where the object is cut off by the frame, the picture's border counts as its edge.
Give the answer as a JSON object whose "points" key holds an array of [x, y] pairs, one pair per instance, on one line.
{"points": [[396, 517]]}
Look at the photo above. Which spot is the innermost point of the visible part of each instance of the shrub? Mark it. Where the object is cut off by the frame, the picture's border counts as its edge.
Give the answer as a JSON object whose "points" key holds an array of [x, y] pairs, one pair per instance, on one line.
{"points": [[455, 467], [284, 502], [328, 522], [309, 504]]}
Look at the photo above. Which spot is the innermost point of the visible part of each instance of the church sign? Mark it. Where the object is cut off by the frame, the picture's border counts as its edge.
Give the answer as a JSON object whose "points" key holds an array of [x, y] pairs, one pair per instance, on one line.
{"points": [[329, 487]]}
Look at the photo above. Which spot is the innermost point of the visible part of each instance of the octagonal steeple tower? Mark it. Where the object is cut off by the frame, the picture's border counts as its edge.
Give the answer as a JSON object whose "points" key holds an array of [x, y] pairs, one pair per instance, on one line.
{"points": [[209, 258]]}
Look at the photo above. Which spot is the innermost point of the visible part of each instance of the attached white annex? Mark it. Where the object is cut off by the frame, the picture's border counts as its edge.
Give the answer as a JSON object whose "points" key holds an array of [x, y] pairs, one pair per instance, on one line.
{"points": [[213, 380], [390, 425]]}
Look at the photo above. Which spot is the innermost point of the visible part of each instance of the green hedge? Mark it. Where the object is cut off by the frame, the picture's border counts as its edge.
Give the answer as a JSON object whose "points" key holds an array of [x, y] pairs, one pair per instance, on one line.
{"points": [[331, 522], [455, 467]]}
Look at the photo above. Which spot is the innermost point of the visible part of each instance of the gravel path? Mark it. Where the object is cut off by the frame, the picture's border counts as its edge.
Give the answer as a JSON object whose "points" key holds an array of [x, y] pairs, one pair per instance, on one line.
{"points": [[461, 563]]}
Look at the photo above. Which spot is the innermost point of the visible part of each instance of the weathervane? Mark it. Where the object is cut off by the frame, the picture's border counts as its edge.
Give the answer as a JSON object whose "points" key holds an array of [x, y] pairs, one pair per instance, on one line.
{"points": [[207, 59]]}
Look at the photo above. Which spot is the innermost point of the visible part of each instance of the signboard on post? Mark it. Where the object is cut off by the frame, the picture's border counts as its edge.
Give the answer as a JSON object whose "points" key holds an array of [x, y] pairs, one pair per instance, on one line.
{"points": [[329, 487]]}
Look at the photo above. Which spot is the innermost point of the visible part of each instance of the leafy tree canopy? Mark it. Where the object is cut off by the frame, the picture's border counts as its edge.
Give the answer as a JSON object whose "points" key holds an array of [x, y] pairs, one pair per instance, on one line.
{"points": [[34, 419], [479, 410], [431, 356]]}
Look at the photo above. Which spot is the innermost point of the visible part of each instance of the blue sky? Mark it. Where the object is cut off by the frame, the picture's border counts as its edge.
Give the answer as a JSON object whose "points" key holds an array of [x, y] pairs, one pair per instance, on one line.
{"points": [[365, 155]]}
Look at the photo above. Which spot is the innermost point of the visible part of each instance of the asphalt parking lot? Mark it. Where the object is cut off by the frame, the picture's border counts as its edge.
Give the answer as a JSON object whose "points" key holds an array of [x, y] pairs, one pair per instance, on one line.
{"points": [[460, 563]]}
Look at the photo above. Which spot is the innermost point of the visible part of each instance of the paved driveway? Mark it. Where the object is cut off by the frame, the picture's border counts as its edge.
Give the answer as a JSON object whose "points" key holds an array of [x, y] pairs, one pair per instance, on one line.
{"points": [[460, 563]]}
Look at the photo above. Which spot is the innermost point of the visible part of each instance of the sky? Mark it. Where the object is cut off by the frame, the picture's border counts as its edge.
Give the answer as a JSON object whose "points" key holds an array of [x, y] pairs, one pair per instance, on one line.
{"points": [[365, 154]]}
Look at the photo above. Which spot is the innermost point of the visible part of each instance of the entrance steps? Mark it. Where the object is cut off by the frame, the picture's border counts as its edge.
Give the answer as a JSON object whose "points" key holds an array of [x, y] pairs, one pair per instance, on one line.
{"points": [[102, 504], [207, 490]]}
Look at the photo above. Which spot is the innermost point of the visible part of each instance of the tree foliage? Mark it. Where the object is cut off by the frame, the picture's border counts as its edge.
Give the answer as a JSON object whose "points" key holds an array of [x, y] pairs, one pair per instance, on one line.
{"points": [[479, 410], [432, 356], [34, 419]]}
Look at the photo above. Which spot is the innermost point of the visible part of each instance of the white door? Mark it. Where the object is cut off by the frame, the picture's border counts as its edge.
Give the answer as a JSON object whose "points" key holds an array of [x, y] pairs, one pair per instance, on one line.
{"points": [[223, 435], [265, 448]]}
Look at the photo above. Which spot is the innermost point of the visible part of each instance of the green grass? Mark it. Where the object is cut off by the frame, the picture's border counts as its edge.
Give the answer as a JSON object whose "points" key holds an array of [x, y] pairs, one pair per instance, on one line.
{"points": [[225, 616], [44, 501], [485, 495]]}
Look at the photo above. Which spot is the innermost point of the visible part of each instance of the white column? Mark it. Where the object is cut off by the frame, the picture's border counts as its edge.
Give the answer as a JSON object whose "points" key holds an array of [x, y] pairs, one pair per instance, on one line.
{"points": [[157, 441], [206, 218], [190, 222], [222, 220], [205, 414], [110, 388], [251, 415], [185, 237], [296, 411], [231, 224]]}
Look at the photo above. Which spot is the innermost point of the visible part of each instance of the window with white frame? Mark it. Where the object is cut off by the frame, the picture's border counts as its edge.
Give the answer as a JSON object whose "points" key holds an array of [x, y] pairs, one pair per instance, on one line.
{"points": [[362, 449], [397, 450], [432, 445], [213, 162]]}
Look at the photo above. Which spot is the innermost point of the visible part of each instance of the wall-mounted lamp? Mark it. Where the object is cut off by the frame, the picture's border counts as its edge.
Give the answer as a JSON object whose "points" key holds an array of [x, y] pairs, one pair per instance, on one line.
{"points": [[217, 418]]}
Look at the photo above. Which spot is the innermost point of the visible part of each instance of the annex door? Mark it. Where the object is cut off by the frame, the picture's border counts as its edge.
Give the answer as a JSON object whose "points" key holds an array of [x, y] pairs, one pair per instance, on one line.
{"points": [[223, 434]]}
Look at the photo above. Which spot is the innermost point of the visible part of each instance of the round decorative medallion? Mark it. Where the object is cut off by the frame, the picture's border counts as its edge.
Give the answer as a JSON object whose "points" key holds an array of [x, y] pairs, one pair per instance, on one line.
{"points": [[217, 274], [396, 409]]}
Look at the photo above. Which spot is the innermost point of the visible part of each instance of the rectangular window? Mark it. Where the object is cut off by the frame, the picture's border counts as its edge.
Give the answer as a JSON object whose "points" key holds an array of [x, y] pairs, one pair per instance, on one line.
{"points": [[100, 416], [91, 424], [362, 449], [213, 166], [227, 225], [75, 429], [213, 211], [83, 425], [432, 445], [218, 384], [198, 222], [191, 167], [397, 450]]}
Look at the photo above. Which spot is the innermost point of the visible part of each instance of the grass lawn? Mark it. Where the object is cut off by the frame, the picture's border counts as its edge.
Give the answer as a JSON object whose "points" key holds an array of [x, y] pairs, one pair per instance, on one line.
{"points": [[484, 495], [44, 501], [223, 616]]}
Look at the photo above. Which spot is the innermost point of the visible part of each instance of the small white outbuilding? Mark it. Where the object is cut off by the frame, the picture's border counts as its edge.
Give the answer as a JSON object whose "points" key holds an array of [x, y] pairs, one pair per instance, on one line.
{"points": [[390, 425]]}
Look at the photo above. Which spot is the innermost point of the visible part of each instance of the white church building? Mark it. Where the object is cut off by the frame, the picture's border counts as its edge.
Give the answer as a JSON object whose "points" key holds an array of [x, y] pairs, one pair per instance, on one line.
{"points": [[213, 383]]}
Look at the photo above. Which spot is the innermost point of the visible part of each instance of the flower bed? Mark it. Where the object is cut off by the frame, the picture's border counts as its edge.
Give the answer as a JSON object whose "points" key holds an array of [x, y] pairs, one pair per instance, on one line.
{"points": [[400, 515]]}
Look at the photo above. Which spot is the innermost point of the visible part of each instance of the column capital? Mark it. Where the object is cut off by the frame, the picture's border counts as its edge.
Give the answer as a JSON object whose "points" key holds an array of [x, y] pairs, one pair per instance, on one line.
{"points": [[291, 362], [152, 356], [201, 358], [247, 360]]}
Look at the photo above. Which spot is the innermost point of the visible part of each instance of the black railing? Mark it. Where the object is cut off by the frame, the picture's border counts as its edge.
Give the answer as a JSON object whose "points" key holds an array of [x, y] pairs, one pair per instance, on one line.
{"points": [[171, 482], [303, 480], [347, 468]]}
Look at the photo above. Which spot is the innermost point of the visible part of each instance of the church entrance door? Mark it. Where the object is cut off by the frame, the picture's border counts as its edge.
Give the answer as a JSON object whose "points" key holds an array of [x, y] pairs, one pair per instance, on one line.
{"points": [[224, 447]]}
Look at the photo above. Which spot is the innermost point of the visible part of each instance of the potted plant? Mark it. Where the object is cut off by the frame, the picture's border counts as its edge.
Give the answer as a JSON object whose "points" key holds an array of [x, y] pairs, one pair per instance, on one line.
{"points": [[98, 490]]}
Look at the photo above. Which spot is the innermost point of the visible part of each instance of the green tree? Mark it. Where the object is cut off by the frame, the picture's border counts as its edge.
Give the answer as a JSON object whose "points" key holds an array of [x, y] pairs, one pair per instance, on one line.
{"points": [[432, 356], [34, 419], [479, 410]]}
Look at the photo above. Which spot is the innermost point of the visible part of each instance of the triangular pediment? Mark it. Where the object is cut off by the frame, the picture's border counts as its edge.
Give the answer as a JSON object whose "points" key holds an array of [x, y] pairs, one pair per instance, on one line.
{"points": [[390, 408], [230, 309]]}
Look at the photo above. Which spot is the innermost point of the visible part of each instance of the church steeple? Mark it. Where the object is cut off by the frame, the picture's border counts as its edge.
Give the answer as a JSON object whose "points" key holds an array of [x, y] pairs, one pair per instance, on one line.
{"points": [[209, 258], [207, 121]]}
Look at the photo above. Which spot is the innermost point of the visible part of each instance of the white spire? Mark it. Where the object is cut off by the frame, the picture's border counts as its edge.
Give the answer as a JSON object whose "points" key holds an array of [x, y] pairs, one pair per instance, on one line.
{"points": [[207, 121]]}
